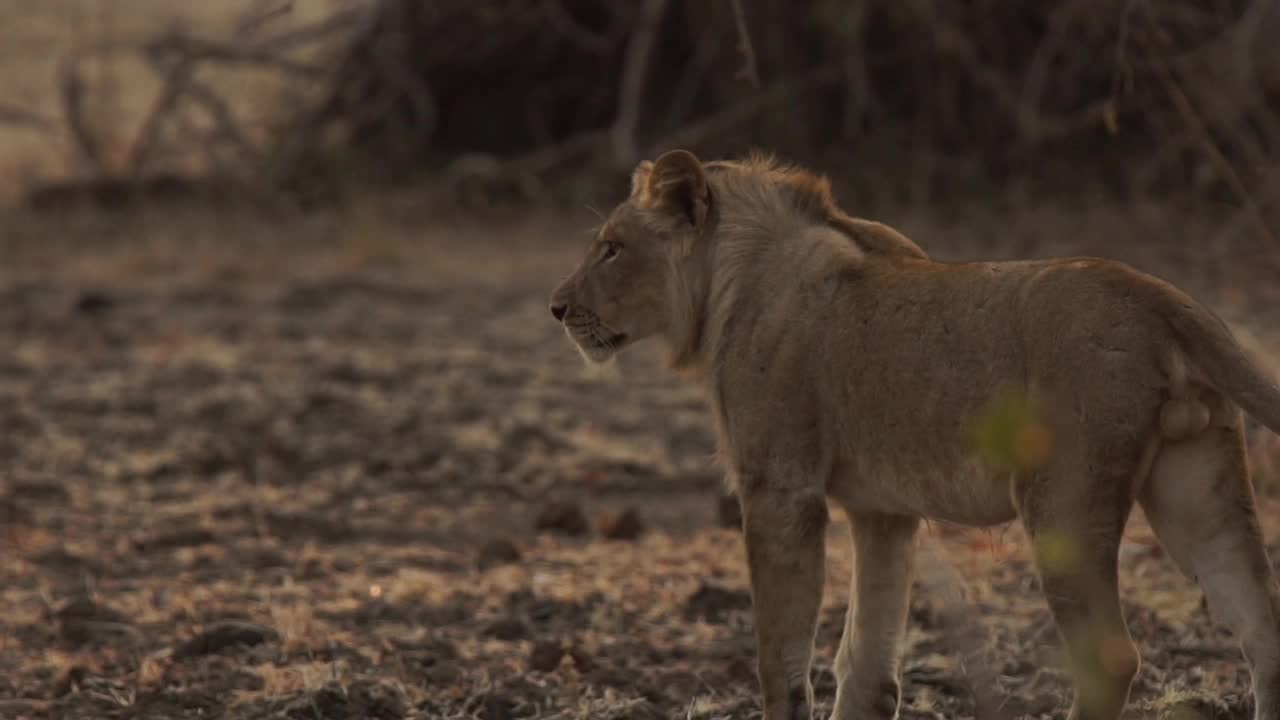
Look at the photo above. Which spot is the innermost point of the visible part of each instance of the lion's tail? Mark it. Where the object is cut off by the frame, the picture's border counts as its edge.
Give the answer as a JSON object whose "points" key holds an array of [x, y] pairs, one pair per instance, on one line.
{"points": [[1215, 351]]}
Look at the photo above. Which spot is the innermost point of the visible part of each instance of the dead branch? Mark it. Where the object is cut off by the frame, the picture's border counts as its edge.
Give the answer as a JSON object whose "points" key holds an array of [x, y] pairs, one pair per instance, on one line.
{"points": [[174, 84], [685, 92], [555, 156], [634, 73], [22, 117], [226, 128], [569, 28], [860, 100], [1122, 75], [175, 57], [748, 71], [178, 42], [1032, 125], [1062, 31], [525, 171], [260, 15], [788, 89], [1196, 124], [72, 92], [339, 23]]}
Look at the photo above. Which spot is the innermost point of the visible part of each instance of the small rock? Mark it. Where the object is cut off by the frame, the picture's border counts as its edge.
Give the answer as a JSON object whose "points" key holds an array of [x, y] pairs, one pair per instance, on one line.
{"points": [[186, 537], [443, 673], [713, 603], [263, 558], [729, 512], [70, 681], [625, 525], [94, 301], [492, 706], [545, 656], [437, 659], [565, 518], [923, 615], [498, 551], [581, 660], [82, 620], [742, 671], [41, 491], [1017, 667], [80, 632], [85, 608], [507, 629], [225, 635], [246, 680], [14, 513], [61, 559]]}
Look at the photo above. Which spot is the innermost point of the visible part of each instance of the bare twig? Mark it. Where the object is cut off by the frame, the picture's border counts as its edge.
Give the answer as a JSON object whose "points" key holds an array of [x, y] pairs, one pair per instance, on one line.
{"points": [[634, 72], [683, 95], [749, 71], [549, 158], [224, 119], [786, 89], [1063, 29], [588, 144], [338, 23], [1196, 124], [196, 48], [21, 117], [1030, 123], [261, 15], [71, 88], [175, 81], [568, 27], [1122, 75]]}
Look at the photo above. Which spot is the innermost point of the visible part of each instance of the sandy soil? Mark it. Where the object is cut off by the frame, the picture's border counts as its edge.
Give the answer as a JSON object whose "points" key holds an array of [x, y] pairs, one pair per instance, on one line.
{"points": [[335, 483]]}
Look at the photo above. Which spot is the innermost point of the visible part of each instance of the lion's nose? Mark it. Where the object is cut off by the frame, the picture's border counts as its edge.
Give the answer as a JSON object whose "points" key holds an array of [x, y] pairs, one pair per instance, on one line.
{"points": [[559, 311]]}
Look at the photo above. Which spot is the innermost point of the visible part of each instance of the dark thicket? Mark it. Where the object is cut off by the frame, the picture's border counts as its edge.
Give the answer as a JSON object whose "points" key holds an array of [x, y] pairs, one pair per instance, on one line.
{"points": [[1132, 96], [1141, 93]]}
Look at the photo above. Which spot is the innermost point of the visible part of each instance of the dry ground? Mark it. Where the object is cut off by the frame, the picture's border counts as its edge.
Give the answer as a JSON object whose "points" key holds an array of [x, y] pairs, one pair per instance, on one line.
{"points": [[312, 473]]}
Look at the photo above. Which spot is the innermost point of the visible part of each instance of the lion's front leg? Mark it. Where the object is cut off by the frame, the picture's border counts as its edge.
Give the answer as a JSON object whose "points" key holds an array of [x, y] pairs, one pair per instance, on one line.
{"points": [[867, 684], [784, 536]]}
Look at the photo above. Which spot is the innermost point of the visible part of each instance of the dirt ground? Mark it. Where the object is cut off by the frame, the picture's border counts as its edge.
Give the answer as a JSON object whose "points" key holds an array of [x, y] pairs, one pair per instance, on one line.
{"points": [[358, 472]]}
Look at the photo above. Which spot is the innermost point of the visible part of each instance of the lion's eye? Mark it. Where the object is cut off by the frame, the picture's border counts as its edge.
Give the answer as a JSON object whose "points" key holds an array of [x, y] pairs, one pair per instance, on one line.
{"points": [[611, 250]]}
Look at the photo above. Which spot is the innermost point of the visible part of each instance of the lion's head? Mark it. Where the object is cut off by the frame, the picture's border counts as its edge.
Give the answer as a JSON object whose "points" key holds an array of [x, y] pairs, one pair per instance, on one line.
{"points": [[622, 291]]}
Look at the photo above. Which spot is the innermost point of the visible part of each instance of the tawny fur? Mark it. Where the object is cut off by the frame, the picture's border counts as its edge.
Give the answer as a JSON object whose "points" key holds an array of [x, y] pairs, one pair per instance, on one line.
{"points": [[842, 362]]}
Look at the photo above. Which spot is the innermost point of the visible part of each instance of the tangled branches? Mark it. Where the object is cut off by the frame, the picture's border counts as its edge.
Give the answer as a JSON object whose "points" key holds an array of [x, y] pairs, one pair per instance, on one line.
{"points": [[537, 85], [1142, 96]]}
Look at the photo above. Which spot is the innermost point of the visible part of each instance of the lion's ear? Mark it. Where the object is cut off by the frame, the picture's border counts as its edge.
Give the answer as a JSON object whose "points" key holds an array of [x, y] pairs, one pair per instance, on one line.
{"points": [[677, 183], [640, 177]]}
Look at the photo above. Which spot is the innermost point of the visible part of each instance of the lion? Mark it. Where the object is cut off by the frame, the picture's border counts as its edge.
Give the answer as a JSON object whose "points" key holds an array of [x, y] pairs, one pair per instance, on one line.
{"points": [[842, 362]]}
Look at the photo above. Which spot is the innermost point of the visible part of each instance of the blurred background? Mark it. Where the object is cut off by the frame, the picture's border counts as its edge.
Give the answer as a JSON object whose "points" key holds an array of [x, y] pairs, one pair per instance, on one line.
{"points": [[286, 427]]}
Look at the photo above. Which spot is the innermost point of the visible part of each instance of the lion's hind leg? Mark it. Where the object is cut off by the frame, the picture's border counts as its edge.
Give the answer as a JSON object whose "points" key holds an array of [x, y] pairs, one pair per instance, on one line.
{"points": [[1075, 521], [1200, 503]]}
